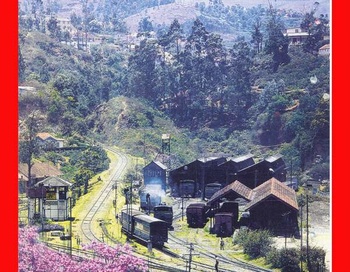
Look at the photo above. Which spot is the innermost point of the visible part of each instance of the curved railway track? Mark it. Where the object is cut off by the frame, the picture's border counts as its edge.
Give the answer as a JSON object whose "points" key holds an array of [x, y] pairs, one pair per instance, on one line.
{"points": [[96, 204]]}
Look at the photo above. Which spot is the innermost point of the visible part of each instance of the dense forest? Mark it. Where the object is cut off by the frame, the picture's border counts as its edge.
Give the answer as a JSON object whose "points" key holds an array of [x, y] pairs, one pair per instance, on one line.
{"points": [[254, 93]]}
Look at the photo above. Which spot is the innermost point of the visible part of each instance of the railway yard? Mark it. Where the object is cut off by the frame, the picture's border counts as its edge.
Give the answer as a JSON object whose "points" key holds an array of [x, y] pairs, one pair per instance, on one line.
{"points": [[186, 249]]}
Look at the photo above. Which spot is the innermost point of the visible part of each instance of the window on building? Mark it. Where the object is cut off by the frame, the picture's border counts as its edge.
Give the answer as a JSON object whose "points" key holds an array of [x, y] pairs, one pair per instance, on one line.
{"points": [[51, 193], [62, 193]]}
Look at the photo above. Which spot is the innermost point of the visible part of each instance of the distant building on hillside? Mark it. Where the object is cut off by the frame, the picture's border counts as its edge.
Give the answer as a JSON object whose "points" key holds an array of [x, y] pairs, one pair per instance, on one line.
{"points": [[47, 141], [325, 50], [296, 36]]}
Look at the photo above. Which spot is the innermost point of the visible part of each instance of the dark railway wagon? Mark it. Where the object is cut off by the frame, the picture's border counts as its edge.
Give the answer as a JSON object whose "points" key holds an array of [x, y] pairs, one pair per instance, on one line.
{"points": [[165, 213], [211, 189], [144, 227], [224, 224], [196, 215], [230, 207], [187, 188]]}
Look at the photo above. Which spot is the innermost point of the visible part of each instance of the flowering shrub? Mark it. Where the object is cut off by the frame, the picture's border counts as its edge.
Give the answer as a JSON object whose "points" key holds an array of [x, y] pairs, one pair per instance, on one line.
{"points": [[35, 256]]}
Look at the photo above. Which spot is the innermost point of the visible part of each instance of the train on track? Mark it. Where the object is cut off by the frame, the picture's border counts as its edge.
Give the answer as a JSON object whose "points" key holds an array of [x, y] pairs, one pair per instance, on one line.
{"points": [[144, 228], [196, 214], [164, 212], [225, 217]]}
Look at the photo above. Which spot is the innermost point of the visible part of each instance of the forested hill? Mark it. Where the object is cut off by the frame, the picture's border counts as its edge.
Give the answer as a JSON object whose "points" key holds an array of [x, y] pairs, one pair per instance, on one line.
{"points": [[258, 95]]}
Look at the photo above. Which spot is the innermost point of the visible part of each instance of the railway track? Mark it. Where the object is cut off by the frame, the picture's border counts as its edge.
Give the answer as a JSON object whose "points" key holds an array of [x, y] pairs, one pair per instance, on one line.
{"points": [[226, 263], [96, 204]]}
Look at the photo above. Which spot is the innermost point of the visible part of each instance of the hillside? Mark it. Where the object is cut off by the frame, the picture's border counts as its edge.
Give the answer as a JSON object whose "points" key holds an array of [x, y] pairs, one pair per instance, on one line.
{"points": [[297, 5], [186, 10], [214, 99], [137, 128], [163, 15]]}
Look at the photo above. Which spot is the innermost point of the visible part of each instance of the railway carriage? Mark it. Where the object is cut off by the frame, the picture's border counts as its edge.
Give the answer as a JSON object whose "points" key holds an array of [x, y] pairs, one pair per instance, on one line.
{"points": [[143, 227], [150, 229], [224, 224], [196, 215], [164, 212]]}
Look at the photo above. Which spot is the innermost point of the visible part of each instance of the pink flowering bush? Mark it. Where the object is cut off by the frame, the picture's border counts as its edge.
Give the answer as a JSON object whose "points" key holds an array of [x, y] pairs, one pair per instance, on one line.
{"points": [[35, 256]]}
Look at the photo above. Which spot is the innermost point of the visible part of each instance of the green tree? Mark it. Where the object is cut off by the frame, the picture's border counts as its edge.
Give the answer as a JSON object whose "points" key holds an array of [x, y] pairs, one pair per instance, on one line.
{"points": [[76, 20], [239, 96], [54, 28], [141, 74], [194, 76], [172, 39], [94, 158], [257, 36], [82, 177], [276, 43], [145, 27], [38, 15], [28, 144], [21, 62]]}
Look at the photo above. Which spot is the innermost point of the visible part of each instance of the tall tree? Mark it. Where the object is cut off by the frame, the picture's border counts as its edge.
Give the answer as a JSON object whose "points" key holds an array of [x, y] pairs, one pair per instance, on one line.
{"points": [[54, 28], [238, 93], [142, 70], [257, 36], [145, 27], [171, 41], [28, 145], [276, 43]]}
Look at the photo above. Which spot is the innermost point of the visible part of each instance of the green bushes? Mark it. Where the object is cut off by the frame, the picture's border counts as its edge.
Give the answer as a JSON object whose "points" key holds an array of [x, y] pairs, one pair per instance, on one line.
{"points": [[259, 244], [255, 243], [287, 259]]}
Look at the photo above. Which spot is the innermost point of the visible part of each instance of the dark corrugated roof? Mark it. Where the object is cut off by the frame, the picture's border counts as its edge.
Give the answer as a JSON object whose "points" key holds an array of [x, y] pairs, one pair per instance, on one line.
{"points": [[242, 158], [236, 187], [274, 158], [273, 187]]}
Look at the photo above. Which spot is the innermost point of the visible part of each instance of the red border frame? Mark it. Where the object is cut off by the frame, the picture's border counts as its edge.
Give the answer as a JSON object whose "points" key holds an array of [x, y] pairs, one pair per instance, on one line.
{"points": [[9, 119], [340, 150]]}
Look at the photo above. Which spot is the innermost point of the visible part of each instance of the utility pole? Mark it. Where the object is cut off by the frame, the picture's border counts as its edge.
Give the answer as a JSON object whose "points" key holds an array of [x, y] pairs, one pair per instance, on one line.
{"points": [[115, 198], [301, 236], [307, 230], [70, 226], [190, 258]]}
